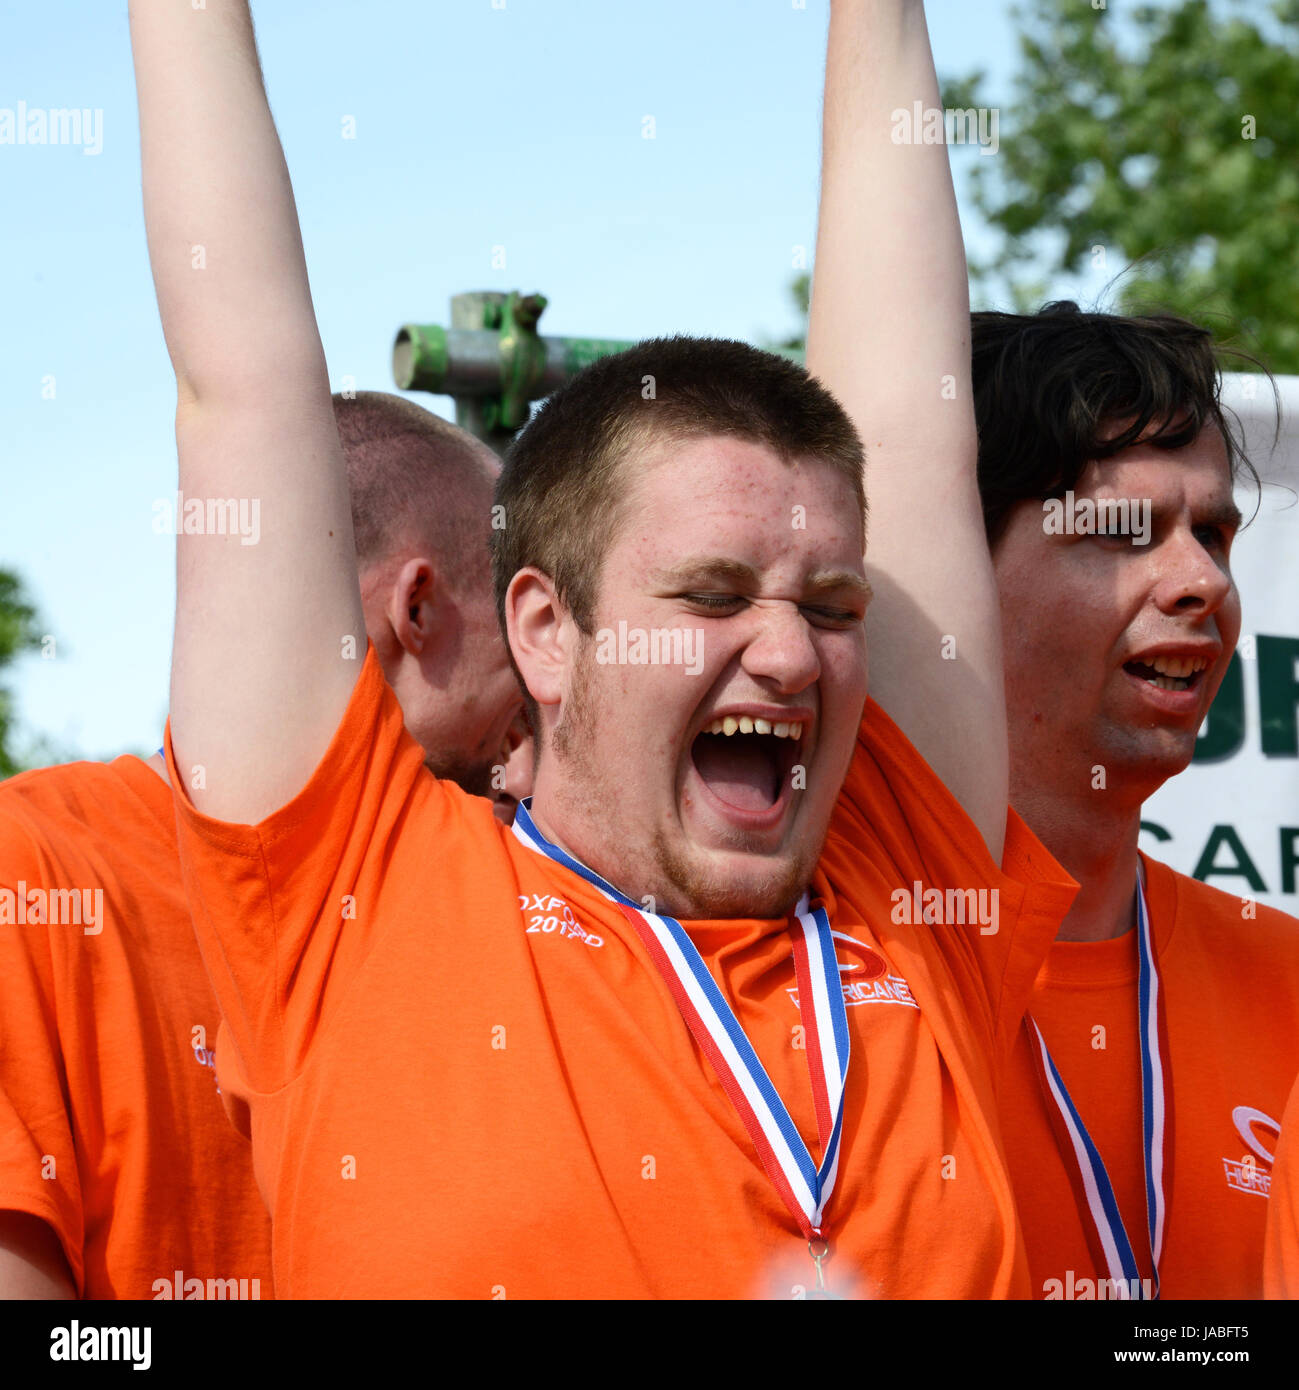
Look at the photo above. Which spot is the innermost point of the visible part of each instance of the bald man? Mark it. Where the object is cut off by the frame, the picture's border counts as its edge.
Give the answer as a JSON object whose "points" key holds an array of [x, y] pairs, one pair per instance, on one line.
{"points": [[421, 507], [126, 1180]]}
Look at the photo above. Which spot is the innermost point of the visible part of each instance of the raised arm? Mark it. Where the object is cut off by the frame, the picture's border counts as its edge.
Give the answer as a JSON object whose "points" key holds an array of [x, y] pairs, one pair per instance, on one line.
{"points": [[261, 669], [890, 336]]}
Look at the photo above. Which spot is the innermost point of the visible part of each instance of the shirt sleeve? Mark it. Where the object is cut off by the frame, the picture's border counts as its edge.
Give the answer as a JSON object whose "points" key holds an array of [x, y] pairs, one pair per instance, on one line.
{"points": [[894, 806], [283, 910], [1281, 1245], [38, 1167]]}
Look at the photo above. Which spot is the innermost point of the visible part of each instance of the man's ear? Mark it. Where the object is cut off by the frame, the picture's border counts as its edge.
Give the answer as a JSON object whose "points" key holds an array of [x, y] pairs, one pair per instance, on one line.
{"points": [[539, 634], [413, 605]]}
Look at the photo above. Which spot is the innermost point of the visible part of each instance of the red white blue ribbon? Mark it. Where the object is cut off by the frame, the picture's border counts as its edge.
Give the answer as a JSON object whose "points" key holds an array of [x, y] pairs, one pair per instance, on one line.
{"points": [[1099, 1207], [804, 1186]]}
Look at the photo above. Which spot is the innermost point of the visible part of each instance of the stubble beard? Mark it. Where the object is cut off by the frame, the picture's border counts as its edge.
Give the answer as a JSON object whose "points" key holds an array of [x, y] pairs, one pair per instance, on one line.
{"points": [[659, 867], [472, 777]]}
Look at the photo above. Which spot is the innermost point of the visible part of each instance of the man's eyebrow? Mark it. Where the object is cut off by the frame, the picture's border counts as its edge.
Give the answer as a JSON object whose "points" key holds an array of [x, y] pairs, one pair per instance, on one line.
{"points": [[1222, 514], [691, 572], [1226, 514], [826, 580], [706, 567]]}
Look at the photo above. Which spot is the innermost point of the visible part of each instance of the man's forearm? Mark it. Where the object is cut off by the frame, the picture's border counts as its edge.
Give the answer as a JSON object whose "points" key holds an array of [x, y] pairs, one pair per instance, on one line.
{"points": [[258, 682], [888, 240], [223, 231], [889, 334]]}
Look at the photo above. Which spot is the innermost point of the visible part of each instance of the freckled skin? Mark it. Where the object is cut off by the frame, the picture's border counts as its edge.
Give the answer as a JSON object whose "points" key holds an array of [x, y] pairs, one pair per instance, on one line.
{"points": [[619, 788], [1075, 608]]}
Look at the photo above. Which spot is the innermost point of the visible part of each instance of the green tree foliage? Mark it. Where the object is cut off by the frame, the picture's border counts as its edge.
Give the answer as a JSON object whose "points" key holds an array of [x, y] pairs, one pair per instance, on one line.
{"points": [[800, 290], [1167, 135], [17, 634]]}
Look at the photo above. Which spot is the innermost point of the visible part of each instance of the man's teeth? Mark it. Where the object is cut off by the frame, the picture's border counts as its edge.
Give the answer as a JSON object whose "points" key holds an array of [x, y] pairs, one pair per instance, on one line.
{"points": [[1174, 673], [1178, 666], [744, 725]]}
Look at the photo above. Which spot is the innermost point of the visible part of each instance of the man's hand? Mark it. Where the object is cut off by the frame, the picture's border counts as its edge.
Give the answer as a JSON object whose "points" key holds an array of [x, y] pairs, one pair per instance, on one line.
{"points": [[269, 629], [890, 335]]}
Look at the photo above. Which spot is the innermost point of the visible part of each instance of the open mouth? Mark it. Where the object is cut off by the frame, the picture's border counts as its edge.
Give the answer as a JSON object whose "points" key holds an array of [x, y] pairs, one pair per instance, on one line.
{"points": [[746, 762], [1170, 672]]}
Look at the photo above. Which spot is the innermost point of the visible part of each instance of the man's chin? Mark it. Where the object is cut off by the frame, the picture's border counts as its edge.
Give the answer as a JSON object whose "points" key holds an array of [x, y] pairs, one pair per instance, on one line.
{"points": [[474, 778], [760, 904], [1148, 761], [722, 884]]}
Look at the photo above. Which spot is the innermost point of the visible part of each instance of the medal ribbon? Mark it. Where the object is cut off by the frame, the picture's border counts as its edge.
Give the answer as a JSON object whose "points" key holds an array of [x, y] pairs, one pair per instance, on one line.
{"points": [[1100, 1210], [804, 1187]]}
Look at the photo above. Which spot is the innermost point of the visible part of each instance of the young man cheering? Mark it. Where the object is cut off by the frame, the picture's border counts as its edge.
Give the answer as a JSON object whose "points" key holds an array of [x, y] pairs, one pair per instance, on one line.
{"points": [[573, 1059]]}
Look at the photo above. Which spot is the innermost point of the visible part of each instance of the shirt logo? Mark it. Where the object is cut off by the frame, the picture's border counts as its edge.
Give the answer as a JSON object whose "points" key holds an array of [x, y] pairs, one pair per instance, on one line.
{"points": [[867, 982], [1244, 1174], [206, 1057], [549, 914]]}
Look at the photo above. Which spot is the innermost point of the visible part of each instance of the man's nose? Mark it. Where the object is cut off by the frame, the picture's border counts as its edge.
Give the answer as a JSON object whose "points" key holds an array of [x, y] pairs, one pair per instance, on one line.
{"points": [[1191, 579], [780, 649]]}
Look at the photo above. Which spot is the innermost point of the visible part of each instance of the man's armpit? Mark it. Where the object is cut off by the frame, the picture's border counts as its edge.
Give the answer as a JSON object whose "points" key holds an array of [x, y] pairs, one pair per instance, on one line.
{"points": [[31, 1259]]}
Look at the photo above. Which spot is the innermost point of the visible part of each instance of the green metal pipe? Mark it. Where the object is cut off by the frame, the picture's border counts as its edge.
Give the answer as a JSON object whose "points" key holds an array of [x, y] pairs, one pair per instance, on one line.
{"points": [[494, 363]]}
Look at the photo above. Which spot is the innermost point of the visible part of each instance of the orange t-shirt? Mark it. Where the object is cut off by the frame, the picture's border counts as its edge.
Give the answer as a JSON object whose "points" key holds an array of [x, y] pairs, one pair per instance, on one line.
{"points": [[1281, 1245], [111, 1128], [467, 1079], [1231, 995]]}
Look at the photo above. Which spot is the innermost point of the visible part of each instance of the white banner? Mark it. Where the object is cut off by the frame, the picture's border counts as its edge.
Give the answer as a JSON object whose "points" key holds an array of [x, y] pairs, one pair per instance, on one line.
{"points": [[1232, 818]]}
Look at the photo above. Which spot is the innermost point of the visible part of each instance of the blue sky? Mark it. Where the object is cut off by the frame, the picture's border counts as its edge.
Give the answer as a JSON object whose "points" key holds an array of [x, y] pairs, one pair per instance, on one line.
{"points": [[476, 127]]}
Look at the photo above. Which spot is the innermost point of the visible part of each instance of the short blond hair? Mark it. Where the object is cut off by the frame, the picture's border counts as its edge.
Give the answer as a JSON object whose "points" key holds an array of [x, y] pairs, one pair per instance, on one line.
{"points": [[415, 477]]}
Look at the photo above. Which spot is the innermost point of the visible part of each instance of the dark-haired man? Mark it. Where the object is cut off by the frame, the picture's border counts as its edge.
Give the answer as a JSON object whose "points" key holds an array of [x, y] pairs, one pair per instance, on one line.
{"points": [[596, 1055], [1165, 1023], [120, 1177]]}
